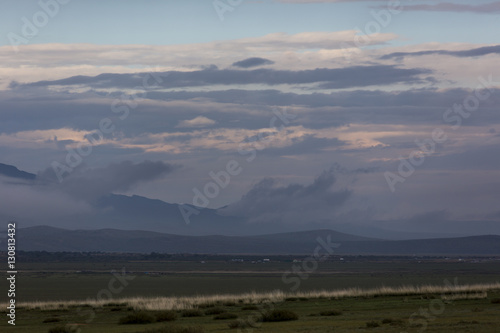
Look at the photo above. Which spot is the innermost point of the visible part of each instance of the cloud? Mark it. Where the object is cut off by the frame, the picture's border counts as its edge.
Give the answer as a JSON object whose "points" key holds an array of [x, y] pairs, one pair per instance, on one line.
{"points": [[294, 204], [253, 62], [307, 144], [430, 218], [476, 52], [326, 78], [71, 203], [199, 121], [91, 184], [27, 203]]}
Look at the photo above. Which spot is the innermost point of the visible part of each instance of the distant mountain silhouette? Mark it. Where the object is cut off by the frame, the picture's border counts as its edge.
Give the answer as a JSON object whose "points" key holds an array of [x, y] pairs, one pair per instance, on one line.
{"points": [[13, 172], [134, 212], [44, 238]]}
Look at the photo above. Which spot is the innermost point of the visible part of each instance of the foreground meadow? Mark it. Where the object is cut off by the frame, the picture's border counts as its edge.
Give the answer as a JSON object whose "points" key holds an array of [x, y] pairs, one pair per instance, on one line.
{"points": [[466, 308], [154, 293]]}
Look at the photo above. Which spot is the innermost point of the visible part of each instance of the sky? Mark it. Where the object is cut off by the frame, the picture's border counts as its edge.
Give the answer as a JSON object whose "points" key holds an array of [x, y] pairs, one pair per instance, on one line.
{"points": [[364, 113]]}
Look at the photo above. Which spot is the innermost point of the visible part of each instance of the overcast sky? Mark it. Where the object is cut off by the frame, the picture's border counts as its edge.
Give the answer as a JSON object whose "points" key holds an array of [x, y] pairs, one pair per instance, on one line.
{"points": [[326, 110]]}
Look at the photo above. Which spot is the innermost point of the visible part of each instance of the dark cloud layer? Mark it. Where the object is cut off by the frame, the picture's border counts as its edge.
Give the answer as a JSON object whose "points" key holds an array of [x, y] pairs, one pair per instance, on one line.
{"points": [[477, 52], [92, 184], [253, 62], [307, 144], [268, 202], [356, 76]]}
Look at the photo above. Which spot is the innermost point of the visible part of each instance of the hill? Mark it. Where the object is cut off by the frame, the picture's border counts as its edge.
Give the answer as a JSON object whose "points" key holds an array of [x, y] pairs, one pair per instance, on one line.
{"points": [[42, 238], [13, 172]]}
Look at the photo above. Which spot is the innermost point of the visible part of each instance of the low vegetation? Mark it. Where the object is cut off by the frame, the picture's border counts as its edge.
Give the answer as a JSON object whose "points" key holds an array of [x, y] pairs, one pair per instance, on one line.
{"points": [[279, 315], [137, 318], [193, 302], [383, 313], [241, 323], [168, 315], [330, 313]]}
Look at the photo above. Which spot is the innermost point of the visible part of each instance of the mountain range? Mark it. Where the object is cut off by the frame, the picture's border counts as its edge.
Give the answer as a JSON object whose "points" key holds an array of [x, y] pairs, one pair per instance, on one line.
{"points": [[42, 238], [123, 212], [13, 172]]}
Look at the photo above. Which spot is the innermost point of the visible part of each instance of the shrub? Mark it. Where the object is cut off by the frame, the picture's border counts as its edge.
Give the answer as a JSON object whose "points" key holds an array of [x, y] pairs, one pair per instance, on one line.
{"points": [[191, 313], [279, 315], [165, 316], [224, 316], [331, 313], [372, 324], [214, 311], [51, 320], [137, 318], [495, 301]]}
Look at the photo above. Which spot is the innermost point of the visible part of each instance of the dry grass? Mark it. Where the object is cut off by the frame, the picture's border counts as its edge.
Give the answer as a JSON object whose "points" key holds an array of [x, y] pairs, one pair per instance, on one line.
{"points": [[456, 297], [193, 302]]}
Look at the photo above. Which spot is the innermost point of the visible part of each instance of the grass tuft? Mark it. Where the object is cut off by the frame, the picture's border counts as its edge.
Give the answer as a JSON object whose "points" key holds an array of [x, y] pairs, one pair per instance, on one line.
{"points": [[279, 315], [168, 315], [137, 318], [330, 313]]}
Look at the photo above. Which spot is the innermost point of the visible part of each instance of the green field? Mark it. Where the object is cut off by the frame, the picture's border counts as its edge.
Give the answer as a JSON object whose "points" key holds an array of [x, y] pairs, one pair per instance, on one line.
{"points": [[390, 313], [67, 280]]}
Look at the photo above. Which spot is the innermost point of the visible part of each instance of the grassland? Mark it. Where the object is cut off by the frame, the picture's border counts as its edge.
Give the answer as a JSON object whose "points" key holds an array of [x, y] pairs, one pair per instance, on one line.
{"points": [[355, 294], [472, 309]]}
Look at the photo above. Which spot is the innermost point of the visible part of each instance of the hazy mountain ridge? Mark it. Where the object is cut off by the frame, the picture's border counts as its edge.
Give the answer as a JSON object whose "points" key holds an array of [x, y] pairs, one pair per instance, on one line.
{"points": [[13, 172], [44, 238], [103, 209]]}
